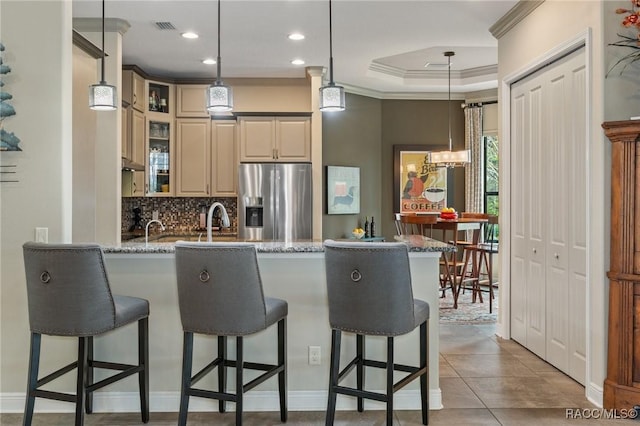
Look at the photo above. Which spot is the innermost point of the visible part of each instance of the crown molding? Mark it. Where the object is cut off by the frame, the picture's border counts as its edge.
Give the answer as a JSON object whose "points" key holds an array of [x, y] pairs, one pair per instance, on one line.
{"points": [[94, 25], [86, 46], [419, 96], [513, 17]]}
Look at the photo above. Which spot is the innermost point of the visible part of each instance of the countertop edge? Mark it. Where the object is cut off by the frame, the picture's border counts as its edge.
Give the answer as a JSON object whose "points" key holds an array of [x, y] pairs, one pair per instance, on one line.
{"points": [[417, 244]]}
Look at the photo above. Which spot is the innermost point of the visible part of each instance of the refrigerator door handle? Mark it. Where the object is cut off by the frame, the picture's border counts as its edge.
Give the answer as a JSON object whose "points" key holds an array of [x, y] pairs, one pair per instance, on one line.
{"points": [[275, 196]]}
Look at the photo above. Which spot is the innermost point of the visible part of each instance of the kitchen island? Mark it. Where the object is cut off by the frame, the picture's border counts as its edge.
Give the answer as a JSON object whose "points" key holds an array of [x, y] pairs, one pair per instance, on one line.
{"points": [[293, 271]]}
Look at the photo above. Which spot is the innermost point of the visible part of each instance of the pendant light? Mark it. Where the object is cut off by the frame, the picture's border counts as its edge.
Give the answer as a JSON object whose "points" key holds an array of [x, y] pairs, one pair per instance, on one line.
{"points": [[219, 96], [102, 96], [331, 96], [450, 158]]}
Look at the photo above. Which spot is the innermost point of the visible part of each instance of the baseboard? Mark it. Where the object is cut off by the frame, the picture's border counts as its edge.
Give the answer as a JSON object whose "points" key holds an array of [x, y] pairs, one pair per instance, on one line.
{"points": [[128, 402], [595, 394]]}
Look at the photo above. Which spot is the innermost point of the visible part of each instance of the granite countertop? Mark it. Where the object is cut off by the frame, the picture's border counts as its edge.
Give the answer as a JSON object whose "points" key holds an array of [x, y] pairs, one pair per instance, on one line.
{"points": [[417, 243]]}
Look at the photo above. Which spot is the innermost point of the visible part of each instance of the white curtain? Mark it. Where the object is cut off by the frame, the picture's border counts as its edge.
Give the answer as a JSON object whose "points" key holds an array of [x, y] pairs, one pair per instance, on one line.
{"points": [[474, 182]]}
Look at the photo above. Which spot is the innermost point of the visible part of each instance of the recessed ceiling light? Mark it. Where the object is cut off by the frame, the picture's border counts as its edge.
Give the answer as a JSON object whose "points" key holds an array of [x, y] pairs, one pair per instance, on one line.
{"points": [[297, 62], [189, 34], [296, 36], [209, 61]]}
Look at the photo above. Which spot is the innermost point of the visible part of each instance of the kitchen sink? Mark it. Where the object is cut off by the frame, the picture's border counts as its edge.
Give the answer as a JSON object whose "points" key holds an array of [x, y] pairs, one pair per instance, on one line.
{"points": [[163, 238]]}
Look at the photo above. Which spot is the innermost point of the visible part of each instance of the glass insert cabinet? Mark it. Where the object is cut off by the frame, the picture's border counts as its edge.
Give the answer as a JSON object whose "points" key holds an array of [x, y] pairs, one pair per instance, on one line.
{"points": [[159, 158]]}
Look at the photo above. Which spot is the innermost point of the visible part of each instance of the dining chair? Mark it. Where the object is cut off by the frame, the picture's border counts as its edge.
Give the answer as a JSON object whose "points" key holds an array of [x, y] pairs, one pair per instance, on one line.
{"points": [[478, 256]]}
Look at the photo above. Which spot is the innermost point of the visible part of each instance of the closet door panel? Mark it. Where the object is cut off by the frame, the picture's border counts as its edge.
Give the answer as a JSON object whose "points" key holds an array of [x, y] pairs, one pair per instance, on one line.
{"points": [[576, 105], [519, 245], [536, 324], [557, 291]]}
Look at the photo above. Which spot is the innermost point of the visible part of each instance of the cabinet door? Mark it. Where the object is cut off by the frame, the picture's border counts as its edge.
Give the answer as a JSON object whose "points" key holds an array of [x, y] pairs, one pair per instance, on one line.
{"points": [[190, 100], [160, 165], [137, 137], [224, 158], [193, 157], [133, 89], [126, 132], [257, 139], [293, 138]]}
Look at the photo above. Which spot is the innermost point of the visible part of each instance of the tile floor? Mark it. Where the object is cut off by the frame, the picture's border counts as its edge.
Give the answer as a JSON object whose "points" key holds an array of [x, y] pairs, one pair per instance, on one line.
{"points": [[485, 380]]}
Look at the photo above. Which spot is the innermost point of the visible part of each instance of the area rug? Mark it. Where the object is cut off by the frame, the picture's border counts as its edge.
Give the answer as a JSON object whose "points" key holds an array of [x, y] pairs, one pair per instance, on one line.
{"points": [[468, 312]]}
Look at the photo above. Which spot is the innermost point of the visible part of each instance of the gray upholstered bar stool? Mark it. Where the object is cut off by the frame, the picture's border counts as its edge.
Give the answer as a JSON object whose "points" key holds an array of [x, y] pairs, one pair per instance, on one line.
{"points": [[370, 294], [220, 294], [69, 295]]}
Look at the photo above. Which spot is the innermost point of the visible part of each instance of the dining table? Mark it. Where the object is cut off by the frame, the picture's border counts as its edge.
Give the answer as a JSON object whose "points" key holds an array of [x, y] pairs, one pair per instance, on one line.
{"points": [[453, 268]]}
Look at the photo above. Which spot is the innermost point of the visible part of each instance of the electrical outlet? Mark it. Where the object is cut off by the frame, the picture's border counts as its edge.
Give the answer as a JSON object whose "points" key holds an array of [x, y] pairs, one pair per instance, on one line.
{"points": [[42, 235], [154, 215], [314, 355]]}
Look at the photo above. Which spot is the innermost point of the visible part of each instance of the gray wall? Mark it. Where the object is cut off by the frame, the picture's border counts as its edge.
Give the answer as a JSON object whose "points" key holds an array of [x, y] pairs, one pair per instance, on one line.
{"points": [[364, 134], [353, 138]]}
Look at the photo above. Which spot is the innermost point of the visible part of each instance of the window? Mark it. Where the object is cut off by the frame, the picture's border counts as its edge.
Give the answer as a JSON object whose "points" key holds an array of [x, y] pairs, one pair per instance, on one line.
{"points": [[491, 173]]}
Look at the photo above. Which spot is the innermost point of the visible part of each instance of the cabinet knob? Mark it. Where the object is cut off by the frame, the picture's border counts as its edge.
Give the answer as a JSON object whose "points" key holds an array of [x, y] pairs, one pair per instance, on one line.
{"points": [[535, 250], [556, 255]]}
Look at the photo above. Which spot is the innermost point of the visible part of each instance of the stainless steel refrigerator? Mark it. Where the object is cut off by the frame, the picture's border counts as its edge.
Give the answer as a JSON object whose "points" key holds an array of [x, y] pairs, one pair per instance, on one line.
{"points": [[274, 201]]}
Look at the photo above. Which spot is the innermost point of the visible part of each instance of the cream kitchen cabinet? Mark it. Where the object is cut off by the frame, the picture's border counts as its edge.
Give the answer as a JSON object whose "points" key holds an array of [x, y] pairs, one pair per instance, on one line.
{"points": [[193, 153], [191, 101], [275, 139], [224, 158], [126, 132], [160, 158], [133, 89], [137, 138], [160, 100], [206, 156]]}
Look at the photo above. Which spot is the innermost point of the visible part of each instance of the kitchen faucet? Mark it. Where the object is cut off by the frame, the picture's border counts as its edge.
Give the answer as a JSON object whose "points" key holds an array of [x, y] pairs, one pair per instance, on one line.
{"points": [[146, 231], [224, 219]]}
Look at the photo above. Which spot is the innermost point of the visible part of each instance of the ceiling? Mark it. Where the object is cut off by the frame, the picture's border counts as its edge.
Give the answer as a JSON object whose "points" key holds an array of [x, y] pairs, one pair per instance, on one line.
{"points": [[380, 48]]}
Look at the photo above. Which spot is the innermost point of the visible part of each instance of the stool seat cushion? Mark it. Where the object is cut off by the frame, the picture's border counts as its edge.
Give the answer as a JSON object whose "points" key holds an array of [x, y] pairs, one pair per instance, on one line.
{"points": [[420, 311], [130, 309], [276, 309]]}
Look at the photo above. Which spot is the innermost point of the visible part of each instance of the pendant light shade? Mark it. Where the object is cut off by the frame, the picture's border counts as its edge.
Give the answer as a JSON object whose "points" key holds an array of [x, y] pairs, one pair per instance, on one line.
{"points": [[331, 96], [450, 158], [102, 96], [219, 96]]}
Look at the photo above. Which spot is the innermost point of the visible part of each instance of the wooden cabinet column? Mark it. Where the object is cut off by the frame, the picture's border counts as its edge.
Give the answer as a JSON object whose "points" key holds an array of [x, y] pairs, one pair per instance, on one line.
{"points": [[622, 386]]}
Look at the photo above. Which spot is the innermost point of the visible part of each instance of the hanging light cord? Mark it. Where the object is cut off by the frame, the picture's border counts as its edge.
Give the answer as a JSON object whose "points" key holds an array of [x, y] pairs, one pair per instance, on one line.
{"points": [[331, 83], [102, 79], [449, 106], [218, 60]]}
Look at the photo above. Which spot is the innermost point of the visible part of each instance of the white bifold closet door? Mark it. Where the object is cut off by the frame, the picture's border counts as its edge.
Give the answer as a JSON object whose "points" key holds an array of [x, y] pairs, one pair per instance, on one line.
{"points": [[549, 213]]}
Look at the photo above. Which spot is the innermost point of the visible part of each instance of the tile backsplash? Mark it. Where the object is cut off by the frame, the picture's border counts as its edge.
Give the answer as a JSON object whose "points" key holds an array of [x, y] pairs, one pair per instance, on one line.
{"points": [[178, 214]]}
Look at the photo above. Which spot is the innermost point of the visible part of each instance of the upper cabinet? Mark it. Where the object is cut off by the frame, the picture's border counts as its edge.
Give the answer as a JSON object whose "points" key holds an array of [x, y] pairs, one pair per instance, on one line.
{"points": [[224, 158], [160, 98], [193, 149], [160, 158], [133, 88], [190, 101], [275, 139]]}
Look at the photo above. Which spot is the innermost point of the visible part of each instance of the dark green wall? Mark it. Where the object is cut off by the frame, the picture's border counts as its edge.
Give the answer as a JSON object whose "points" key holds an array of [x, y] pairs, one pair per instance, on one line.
{"points": [[364, 134]]}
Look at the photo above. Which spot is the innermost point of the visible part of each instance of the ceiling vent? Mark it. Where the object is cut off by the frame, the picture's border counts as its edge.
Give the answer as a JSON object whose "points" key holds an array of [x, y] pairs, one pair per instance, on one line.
{"points": [[165, 26]]}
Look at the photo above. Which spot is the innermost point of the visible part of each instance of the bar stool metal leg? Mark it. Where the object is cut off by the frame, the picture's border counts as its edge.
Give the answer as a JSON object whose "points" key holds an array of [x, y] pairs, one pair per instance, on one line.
{"points": [[187, 362], [282, 360], [89, 397], [239, 386], [360, 371], [424, 379], [81, 382], [389, 381], [143, 360], [222, 372], [34, 364], [333, 376]]}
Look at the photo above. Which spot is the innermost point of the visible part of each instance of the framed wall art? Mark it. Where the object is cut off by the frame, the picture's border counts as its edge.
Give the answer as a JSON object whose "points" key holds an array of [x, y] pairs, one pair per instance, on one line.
{"points": [[343, 190], [419, 186]]}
